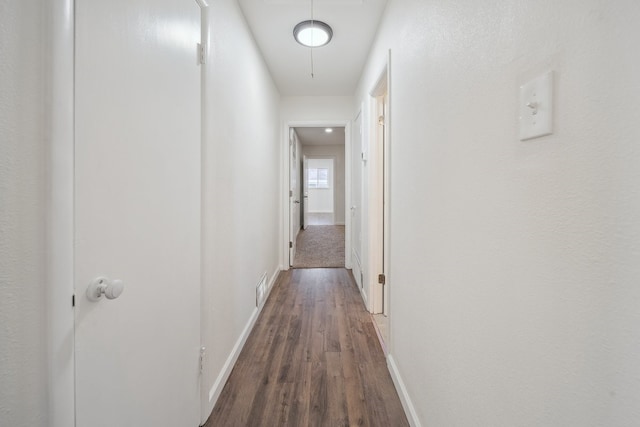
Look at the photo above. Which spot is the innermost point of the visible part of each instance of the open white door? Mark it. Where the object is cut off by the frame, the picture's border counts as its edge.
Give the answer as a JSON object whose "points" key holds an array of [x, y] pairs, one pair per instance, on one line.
{"points": [[294, 195], [379, 191], [137, 212], [305, 192]]}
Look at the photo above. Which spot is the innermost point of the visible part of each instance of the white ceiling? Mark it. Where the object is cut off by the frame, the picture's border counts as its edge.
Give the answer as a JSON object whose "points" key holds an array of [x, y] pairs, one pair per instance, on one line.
{"points": [[318, 136], [337, 66]]}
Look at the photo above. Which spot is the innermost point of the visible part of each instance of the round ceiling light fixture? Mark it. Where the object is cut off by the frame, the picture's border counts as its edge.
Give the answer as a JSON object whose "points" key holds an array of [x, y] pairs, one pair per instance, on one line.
{"points": [[312, 33]]}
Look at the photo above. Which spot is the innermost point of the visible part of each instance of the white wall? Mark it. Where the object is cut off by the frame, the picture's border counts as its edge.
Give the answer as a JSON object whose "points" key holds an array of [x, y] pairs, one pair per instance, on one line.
{"points": [[241, 200], [23, 375], [321, 199], [316, 108], [356, 202], [514, 265]]}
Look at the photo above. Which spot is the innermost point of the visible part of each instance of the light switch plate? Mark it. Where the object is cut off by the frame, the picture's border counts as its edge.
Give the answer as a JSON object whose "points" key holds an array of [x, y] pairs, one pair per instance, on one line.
{"points": [[536, 107]]}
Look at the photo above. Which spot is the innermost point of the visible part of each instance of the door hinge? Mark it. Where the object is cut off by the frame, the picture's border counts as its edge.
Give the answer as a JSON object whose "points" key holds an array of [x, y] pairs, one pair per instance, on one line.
{"points": [[382, 279], [290, 245], [73, 300], [290, 193], [202, 55], [202, 354]]}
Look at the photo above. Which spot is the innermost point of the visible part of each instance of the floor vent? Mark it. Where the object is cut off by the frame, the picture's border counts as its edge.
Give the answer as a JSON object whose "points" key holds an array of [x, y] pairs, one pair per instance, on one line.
{"points": [[261, 290]]}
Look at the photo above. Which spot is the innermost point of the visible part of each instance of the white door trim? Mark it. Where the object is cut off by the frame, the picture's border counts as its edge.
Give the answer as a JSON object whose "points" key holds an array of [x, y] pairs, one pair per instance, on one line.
{"points": [[378, 219], [60, 215], [358, 260], [206, 406], [284, 254], [374, 204]]}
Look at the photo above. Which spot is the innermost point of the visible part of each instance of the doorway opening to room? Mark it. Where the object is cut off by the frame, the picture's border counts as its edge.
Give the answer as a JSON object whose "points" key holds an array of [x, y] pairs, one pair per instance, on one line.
{"points": [[379, 205], [320, 192], [317, 196]]}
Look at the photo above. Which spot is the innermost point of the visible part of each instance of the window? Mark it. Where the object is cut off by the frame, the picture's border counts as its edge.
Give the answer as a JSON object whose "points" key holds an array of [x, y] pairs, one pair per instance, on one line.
{"points": [[318, 178]]}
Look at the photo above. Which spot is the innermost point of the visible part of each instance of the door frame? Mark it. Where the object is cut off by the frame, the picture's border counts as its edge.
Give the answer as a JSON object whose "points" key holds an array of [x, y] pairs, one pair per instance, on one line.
{"points": [[304, 193], [358, 260], [60, 218], [295, 154], [205, 32], [378, 204], [284, 253]]}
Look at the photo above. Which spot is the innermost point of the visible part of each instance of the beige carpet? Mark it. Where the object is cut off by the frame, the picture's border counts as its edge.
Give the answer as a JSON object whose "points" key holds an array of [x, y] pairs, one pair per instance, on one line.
{"points": [[320, 246]]}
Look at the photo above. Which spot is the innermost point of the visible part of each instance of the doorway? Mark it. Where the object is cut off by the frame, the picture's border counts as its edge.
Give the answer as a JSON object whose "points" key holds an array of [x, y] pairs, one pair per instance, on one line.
{"points": [[318, 190], [379, 205], [322, 192], [320, 240]]}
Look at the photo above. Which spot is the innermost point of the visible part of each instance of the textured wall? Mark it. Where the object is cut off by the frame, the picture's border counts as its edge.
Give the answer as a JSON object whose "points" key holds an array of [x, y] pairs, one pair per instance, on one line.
{"points": [[22, 168], [514, 265], [317, 108], [241, 182]]}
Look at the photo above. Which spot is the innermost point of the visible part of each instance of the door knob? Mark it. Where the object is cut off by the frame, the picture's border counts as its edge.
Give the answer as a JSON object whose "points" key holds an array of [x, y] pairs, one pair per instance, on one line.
{"points": [[100, 286], [296, 201]]}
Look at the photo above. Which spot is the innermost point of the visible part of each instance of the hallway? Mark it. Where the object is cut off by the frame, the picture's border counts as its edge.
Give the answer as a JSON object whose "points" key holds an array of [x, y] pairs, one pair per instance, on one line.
{"points": [[145, 161], [313, 358]]}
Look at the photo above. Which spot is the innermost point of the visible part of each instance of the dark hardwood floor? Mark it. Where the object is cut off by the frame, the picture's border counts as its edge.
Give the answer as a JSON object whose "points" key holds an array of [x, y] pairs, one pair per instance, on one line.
{"points": [[312, 359]]}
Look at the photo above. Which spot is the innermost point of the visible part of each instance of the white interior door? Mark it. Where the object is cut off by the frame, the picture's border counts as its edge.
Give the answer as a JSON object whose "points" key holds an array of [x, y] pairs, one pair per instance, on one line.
{"points": [[294, 195], [305, 192], [378, 197], [137, 212]]}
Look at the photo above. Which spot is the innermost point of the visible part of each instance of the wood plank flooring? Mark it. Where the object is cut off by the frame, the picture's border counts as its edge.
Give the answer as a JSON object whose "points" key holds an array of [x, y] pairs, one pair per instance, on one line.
{"points": [[312, 359]]}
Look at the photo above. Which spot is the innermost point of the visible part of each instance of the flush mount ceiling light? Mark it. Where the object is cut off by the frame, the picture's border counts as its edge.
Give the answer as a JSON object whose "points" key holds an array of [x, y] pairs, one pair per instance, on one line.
{"points": [[328, 130], [312, 33]]}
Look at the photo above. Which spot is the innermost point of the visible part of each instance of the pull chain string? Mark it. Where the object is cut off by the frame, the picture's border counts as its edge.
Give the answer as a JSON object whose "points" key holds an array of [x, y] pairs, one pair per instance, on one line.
{"points": [[312, 34], [312, 76]]}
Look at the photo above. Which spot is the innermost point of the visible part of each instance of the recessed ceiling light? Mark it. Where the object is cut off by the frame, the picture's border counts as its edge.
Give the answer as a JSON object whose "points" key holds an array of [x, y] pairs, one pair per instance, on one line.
{"points": [[312, 33], [328, 130]]}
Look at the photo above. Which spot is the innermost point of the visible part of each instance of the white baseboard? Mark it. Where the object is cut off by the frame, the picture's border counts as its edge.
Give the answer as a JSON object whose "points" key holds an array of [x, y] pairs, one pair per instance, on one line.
{"points": [[218, 385], [365, 299], [357, 270], [272, 281], [409, 409], [354, 255]]}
